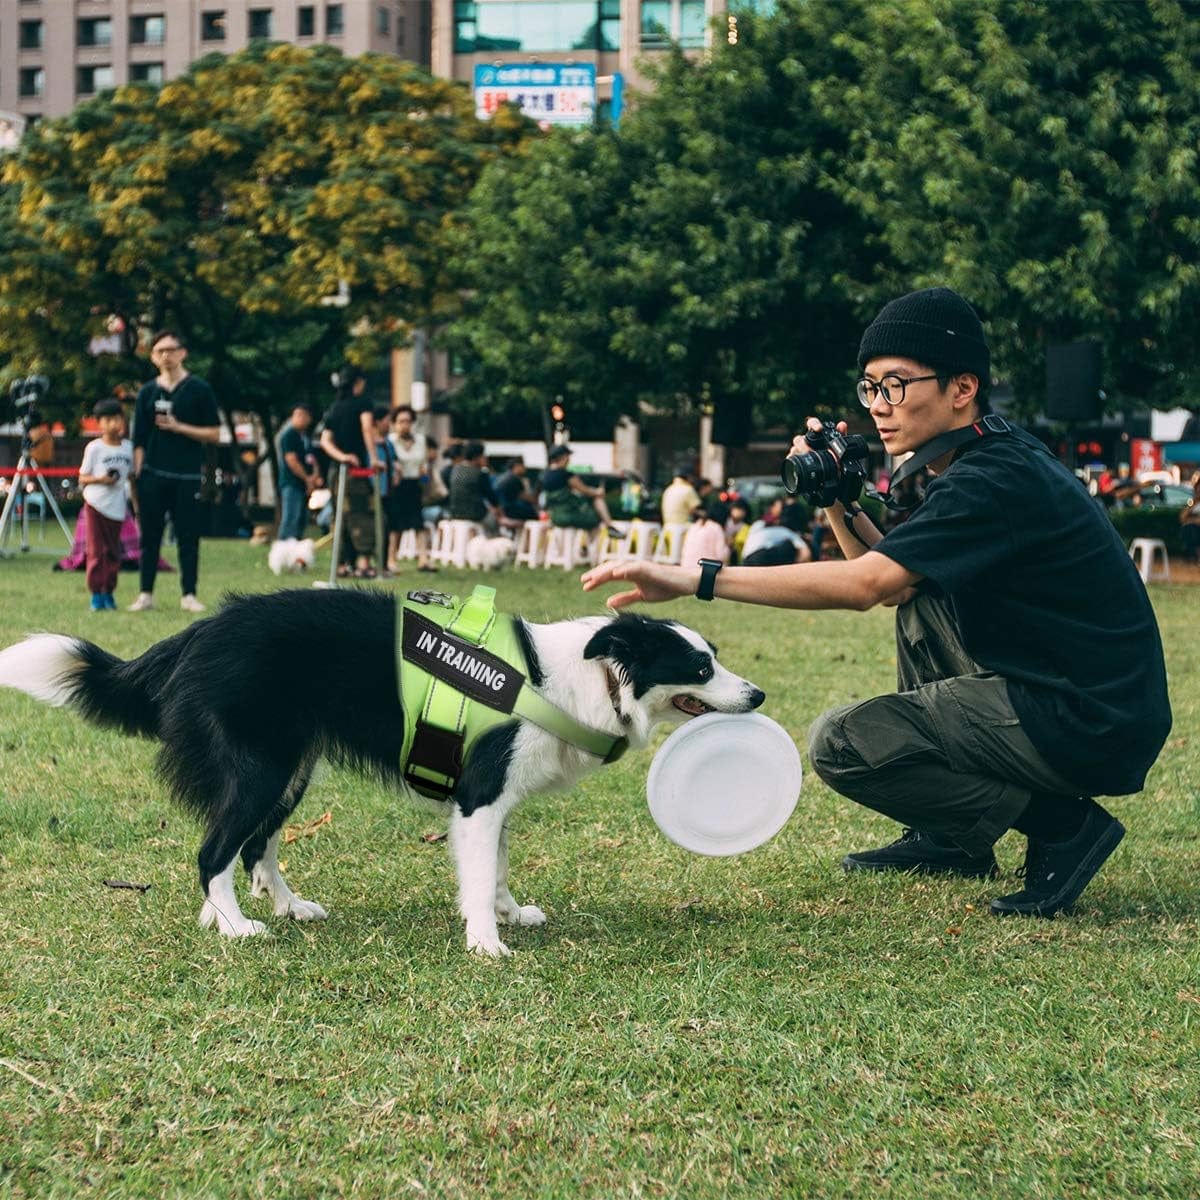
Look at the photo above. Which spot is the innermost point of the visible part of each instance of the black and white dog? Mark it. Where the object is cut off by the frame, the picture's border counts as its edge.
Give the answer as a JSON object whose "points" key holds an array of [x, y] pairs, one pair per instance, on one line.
{"points": [[245, 702]]}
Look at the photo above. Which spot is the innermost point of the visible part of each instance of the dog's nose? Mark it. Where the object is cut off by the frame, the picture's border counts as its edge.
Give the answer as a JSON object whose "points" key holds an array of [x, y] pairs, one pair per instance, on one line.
{"points": [[756, 697]]}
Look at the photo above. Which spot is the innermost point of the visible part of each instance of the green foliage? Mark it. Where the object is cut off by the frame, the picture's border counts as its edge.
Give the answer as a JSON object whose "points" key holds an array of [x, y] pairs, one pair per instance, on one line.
{"points": [[228, 203], [1149, 522], [756, 209]]}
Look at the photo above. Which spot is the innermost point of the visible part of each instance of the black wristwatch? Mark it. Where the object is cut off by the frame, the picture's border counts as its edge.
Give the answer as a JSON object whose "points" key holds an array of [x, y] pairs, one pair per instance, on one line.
{"points": [[708, 577]]}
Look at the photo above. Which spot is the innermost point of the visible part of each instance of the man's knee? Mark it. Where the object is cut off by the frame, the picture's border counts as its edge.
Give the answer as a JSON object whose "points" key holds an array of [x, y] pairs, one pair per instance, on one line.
{"points": [[829, 749]]}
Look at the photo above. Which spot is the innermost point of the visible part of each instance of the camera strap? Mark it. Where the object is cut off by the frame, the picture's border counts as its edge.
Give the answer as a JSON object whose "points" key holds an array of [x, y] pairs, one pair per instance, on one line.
{"points": [[987, 425]]}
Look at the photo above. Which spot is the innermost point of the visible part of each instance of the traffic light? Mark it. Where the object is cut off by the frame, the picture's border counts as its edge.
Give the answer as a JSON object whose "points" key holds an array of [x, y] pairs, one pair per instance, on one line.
{"points": [[558, 415]]}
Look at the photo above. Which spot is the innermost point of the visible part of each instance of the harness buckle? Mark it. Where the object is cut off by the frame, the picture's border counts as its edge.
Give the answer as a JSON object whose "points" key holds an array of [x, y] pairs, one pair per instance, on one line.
{"points": [[994, 423], [439, 752]]}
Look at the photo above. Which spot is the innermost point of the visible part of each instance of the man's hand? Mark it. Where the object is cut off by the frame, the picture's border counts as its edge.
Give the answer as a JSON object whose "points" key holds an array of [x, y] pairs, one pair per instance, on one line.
{"points": [[167, 422], [652, 582], [800, 442]]}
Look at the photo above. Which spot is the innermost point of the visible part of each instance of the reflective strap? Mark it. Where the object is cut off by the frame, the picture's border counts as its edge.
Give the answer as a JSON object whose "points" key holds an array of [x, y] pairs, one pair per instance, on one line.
{"points": [[553, 720]]}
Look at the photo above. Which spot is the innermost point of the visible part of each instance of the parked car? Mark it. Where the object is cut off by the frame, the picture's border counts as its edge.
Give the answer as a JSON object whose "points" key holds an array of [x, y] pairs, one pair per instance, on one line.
{"points": [[756, 490], [1165, 495]]}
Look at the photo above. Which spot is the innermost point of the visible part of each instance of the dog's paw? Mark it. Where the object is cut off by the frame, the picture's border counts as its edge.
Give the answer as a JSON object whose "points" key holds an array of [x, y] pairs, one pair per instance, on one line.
{"points": [[487, 945], [240, 926], [301, 910], [520, 914]]}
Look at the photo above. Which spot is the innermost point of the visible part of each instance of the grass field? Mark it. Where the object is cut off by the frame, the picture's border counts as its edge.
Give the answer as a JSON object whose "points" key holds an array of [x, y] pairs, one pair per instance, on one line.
{"points": [[682, 1027]]}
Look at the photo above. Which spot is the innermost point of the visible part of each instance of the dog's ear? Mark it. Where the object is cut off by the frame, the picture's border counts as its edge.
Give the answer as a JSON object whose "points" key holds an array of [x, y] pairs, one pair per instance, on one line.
{"points": [[608, 642]]}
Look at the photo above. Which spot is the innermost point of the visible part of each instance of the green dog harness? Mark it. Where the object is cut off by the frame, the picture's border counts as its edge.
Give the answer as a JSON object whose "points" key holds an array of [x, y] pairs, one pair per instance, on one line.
{"points": [[461, 670]]}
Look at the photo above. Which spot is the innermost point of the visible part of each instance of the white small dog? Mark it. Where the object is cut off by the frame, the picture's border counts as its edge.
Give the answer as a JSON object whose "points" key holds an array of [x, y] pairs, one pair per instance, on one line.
{"points": [[291, 555], [489, 554]]}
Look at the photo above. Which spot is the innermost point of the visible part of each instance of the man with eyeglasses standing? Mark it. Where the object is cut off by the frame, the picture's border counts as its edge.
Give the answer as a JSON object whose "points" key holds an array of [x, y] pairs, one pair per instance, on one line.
{"points": [[1031, 672], [175, 417]]}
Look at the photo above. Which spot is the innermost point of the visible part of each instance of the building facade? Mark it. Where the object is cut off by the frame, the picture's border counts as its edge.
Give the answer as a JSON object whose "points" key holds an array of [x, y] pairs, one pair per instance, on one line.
{"points": [[56, 53], [611, 36]]}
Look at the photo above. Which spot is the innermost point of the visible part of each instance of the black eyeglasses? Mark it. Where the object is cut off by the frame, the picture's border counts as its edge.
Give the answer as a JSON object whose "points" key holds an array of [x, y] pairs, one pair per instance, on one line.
{"points": [[167, 349], [890, 387]]}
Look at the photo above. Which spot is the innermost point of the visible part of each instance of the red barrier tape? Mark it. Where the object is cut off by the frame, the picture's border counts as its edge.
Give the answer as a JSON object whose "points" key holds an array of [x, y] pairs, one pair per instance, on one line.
{"points": [[49, 472]]}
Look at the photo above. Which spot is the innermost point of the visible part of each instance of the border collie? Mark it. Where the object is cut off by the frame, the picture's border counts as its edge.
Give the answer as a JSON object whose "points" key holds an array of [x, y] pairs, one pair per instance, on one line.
{"points": [[246, 701]]}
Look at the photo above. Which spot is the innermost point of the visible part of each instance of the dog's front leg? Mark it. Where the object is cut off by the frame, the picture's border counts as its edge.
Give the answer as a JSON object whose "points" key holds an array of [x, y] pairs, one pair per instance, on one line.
{"points": [[475, 839], [508, 911]]}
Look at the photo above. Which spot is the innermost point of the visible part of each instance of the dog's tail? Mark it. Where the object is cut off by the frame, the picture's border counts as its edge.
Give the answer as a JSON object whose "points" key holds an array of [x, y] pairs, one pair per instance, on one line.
{"points": [[62, 670]]}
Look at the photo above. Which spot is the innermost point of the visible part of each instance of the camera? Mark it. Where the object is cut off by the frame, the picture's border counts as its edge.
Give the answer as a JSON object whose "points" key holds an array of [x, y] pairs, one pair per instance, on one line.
{"points": [[834, 469], [25, 393]]}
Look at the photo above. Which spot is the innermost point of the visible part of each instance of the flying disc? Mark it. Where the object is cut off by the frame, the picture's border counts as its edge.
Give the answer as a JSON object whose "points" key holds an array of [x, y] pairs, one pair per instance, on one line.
{"points": [[319, 498], [724, 783]]}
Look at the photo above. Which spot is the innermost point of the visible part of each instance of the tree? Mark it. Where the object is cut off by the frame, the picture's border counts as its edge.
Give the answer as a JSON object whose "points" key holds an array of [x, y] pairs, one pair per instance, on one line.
{"points": [[691, 257], [1041, 158], [230, 203], [755, 211]]}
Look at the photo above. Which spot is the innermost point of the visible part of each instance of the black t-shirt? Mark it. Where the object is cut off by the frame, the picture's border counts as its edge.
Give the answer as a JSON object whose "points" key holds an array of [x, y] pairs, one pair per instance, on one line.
{"points": [[292, 441], [554, 479], [509, 488], [1046, 596], [343, 421], [192, 402]]}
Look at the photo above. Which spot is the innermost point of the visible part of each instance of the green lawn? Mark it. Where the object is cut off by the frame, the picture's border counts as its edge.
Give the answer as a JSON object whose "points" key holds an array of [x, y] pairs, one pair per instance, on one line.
{"points": [[756, 1026]]}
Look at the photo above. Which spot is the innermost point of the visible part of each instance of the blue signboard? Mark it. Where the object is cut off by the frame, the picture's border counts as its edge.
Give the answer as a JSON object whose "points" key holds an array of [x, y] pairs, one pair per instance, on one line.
{"points": [[550, 93]]}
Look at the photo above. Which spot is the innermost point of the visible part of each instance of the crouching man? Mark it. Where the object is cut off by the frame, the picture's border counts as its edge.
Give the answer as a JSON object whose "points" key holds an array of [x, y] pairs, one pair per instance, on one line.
{"points": [[1031, 674]]}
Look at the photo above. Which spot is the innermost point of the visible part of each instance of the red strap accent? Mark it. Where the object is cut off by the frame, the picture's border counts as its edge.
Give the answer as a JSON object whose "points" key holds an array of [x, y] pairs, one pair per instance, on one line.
{"points": [[50, 472]]}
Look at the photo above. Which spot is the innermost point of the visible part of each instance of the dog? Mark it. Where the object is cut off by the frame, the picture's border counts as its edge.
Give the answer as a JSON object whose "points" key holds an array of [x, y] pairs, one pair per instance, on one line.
{"points": [[489, 554], [243, 717], [291, 554]]}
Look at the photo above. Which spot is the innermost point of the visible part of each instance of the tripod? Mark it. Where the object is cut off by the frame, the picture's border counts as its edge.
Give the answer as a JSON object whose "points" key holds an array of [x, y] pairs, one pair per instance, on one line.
{"points": [[26, 468]]}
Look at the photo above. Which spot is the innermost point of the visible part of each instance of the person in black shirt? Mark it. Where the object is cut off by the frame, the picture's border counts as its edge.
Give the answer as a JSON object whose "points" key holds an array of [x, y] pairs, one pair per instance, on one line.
{"points": [[349, 438], [1031, 673], [514, 494], [175, 416]]}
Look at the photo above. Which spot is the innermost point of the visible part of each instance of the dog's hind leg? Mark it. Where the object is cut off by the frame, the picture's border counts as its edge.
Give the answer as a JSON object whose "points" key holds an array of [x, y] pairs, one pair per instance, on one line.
{"points": [[260, 855], [508, 911], [254, 790]]}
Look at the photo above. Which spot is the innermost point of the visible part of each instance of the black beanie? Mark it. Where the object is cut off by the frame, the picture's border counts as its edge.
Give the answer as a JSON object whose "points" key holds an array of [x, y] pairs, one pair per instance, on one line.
{"points": [[935, 326]]}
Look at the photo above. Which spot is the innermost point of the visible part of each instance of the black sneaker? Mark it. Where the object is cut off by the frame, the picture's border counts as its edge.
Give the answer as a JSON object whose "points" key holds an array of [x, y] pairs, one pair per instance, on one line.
{"points": [[1057, 872], [923, 854]]}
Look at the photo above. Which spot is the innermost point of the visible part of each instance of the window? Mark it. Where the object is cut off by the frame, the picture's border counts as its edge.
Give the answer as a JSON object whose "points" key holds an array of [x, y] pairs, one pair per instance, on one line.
{"points": [[90, 80], [31, 35], [149, 72], [93, 31], [383, 21], [32, 81], [212, 25], [664, 21], [693, 22], [260, 25], [483, 25], [147, 31], [335, 21], [306, 21]]}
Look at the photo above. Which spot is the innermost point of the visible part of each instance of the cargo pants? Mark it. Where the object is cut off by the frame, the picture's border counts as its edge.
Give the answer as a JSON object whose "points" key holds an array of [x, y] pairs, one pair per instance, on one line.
{"points": [[946, 753]]}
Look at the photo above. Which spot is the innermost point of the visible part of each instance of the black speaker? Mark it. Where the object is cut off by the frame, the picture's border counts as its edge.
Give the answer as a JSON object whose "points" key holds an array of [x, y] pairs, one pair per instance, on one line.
{"points": [[1073, 382], [733, 422]]}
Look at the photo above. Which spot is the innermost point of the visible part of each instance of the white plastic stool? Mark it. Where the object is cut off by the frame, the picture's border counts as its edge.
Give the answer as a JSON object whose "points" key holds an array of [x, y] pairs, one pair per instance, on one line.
{"points": [[531, 544], [568, 548], [408, 544], [669, 548], [609, 547], [642, 537], [1150, 557], [452, 539]]}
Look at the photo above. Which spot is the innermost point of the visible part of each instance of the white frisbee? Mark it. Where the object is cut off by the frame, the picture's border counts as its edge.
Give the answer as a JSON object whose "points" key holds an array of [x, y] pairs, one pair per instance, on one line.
{"points": [[319, 498], [724, 783]]}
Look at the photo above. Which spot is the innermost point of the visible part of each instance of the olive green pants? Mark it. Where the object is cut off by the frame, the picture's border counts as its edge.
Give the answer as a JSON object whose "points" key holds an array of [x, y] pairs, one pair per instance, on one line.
{"points": [[946, 753]]}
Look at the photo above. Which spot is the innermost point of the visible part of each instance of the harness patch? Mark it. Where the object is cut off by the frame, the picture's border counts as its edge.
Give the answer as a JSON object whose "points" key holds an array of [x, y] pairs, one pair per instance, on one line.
{"points": [[476, 673]]}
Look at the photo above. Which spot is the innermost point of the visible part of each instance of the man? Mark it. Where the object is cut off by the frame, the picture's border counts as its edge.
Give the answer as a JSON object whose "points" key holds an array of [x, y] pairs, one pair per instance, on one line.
{"points": [[1031, 674], [513, 493], [679, 498], [175, 416], [471, 497], [572, 502], [349, 438], [297, 472]]}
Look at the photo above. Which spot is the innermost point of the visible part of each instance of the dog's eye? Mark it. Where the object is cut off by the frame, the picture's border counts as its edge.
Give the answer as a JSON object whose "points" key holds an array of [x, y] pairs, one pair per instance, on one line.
{"points": [[705, 673]]}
